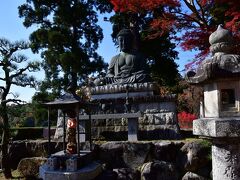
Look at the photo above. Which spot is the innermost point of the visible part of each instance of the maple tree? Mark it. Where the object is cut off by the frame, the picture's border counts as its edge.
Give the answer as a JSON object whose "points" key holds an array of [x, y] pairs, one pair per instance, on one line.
{"points": [[201, 19], [155, 13], [194, 19]]}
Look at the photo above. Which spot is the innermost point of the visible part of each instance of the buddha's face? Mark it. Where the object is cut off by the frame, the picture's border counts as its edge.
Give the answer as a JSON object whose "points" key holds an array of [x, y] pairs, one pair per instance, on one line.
{"points": [[125, 43]]}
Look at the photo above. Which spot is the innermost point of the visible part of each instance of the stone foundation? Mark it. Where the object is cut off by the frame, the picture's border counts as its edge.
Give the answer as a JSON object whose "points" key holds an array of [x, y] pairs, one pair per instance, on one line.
{"points": [[157, 122]]}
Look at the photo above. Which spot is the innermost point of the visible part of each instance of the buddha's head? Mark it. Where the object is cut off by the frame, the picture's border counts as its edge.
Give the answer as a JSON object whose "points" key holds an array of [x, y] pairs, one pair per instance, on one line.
{"points": [[125, 40]]}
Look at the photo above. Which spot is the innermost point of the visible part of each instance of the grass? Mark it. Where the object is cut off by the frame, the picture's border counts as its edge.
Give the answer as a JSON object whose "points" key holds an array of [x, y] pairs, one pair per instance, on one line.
{"points": [[15, 174]]}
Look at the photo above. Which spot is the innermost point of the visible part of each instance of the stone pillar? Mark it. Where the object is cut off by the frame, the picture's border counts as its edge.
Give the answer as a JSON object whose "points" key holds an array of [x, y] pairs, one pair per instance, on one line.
{"points": [[82, 130], [226, 160], [225, 135]]}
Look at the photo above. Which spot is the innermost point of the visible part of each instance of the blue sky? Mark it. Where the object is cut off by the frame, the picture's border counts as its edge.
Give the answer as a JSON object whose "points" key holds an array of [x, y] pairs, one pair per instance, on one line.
{"points": [[13, 29]]}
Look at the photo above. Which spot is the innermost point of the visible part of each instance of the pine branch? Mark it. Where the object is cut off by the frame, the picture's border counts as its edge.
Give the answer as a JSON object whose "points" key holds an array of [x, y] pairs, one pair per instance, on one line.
{"points": [[19, 72], [17, 101]]}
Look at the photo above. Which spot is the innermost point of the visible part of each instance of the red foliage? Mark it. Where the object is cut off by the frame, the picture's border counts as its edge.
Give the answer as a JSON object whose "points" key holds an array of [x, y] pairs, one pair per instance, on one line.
{"points": [[186, 117], [198, 22], [160, 26], [138, 6], [233, 13], [163, 20], [185, 120], [196, 39], [197, 36]]}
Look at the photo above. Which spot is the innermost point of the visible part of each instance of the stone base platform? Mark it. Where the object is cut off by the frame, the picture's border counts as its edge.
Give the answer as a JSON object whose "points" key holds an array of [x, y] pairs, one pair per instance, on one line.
{"points": [[88, 172], [113, 114], [121, 88]]}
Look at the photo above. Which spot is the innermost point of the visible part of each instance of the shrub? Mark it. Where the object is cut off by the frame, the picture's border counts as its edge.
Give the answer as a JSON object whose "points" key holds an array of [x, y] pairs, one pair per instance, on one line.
{"points": [[22, 133], [185, 120]]}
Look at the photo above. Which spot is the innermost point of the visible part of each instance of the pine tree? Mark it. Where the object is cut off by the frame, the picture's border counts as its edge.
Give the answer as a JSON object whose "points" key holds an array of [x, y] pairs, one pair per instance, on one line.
{"points": [[12, 74], [68, 36]]}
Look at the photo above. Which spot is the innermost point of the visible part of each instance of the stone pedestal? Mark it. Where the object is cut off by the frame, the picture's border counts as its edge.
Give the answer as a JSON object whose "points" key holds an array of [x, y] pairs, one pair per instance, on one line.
{"points": [[225, 134], [158, 121], [149, 116]]}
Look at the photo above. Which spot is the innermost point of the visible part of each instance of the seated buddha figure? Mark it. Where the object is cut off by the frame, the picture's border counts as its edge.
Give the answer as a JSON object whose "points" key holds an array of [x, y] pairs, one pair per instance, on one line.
{"points": [[129, 66]]}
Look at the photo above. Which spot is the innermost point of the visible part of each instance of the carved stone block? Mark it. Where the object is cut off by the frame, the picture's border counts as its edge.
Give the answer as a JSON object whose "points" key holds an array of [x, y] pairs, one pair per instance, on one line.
{"points": [[71, 164], [52, 163]]}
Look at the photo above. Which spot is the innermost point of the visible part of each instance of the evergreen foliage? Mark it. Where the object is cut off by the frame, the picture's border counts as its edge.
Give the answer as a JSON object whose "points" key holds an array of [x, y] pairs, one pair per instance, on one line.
{"points": [[14, 68], [67, 36]]}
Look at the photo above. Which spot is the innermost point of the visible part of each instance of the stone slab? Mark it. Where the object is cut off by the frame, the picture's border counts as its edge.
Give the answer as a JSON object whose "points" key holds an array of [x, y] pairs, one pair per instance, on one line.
{"points": [[121, 95], [211, 100], [88, 172], [217, 127], [111, 116]]}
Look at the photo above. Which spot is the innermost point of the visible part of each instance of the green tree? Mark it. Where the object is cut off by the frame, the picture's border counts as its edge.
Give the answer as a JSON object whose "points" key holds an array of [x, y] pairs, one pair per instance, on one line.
{"points": [[40, 112], [67, 36], [16, 113], [14, 69]]}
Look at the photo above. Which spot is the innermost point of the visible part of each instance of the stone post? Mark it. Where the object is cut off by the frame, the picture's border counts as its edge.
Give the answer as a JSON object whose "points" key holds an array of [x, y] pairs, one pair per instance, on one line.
{"points": [[132, 129], [220, 111]]}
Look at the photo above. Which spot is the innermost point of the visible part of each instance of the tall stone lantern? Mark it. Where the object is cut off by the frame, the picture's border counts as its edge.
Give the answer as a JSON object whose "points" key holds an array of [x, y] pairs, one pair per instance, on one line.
{"points": [[220, 109]]}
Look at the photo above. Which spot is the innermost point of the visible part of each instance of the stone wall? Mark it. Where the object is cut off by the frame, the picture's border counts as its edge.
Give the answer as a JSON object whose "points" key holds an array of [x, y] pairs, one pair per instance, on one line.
{"points": [[159, 121]]}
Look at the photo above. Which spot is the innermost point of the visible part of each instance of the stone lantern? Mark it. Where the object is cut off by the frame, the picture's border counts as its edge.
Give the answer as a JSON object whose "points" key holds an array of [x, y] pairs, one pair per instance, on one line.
{"points": [[220, 109], [71, 163]]}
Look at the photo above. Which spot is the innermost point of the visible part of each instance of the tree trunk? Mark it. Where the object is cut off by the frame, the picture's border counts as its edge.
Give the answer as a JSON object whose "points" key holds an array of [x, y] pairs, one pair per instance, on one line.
{"points": [[5, 141]]}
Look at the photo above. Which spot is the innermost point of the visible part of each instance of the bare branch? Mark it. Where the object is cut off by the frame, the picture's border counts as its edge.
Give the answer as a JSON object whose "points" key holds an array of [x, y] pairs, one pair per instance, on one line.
{"points": [[190, 5], [202, 12], [190, 17], [194, 10], [16, 95]]}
